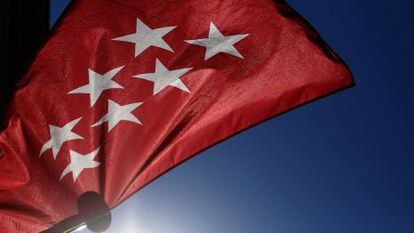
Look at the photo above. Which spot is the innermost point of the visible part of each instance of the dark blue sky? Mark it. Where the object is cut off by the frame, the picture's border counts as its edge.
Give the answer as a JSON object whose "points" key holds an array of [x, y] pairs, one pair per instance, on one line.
{"points": [[343, 164]]}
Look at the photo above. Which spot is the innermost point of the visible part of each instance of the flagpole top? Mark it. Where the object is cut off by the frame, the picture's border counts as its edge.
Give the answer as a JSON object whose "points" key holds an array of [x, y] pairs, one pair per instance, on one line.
{"points": [[93, 212]]}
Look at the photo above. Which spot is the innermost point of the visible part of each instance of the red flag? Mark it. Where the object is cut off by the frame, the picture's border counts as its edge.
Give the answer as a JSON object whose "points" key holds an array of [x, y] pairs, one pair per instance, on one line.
{"points": [[123, 91]]}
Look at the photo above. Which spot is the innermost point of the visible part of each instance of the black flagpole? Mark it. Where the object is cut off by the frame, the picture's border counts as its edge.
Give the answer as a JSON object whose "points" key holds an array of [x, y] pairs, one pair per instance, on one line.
{"points": [[93, 213]]}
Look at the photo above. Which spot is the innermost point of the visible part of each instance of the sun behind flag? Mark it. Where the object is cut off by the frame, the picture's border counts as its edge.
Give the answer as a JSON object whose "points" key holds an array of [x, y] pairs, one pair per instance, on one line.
{"points": [[149, 84]]}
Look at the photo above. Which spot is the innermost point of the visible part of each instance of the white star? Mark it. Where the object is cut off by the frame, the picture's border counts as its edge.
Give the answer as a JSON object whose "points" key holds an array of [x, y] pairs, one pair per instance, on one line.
{"points": [[163, 77], [218, 43], [60, 135], [117, 113], [144, 37], [79, 162], [98, 83]]}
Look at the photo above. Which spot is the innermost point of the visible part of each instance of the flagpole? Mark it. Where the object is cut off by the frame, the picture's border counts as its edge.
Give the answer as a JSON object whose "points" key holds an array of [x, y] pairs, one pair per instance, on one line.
{"points": [[89, 224], [93, 213], [76, 228]]}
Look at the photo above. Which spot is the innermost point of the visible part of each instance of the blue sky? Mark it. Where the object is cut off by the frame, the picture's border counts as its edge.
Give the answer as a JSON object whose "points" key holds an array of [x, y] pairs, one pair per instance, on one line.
{"points": [[343, 164]]}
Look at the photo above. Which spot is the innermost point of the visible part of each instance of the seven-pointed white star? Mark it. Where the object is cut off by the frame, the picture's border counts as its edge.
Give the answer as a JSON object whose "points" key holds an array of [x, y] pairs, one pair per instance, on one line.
{"points": [[98, 83], [117, 113], [79, 162], [144, 37], [60, 135], [218, 43], [163, 77]]}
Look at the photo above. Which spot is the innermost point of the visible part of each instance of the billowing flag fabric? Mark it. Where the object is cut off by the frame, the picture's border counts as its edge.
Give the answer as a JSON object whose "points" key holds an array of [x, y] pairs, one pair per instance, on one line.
{"points": [[125, 90]]}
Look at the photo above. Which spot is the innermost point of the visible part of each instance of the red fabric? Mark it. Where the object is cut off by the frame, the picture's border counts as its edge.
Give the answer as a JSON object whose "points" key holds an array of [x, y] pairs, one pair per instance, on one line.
{"points": [[285, 65]]}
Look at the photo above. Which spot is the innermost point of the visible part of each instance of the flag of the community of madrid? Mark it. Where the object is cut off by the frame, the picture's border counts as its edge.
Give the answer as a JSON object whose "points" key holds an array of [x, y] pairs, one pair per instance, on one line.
{"points": [[125, 90]]}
